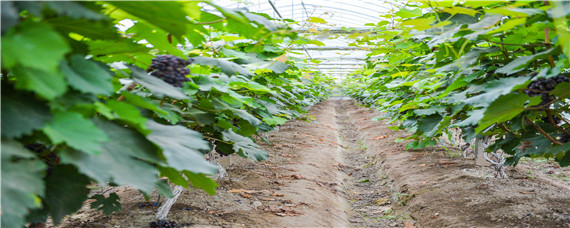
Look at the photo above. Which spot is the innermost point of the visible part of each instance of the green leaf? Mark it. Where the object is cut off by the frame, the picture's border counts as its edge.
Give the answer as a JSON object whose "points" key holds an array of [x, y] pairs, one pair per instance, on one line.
{"points": [[460, 10], [107, 204], [158, 38], [173, 176], [472, 119], [34, 45], [468, 59], [75, 131], [503, 109], [114, 47], [169, 16], [128, 141], [518, 64], [275, 66], [74, 10], [429, 124], [87, 76], [496, 88], [66, 190], [244, 146], [96, 30], [22, 113], [229, 68], [562, 90], [406, 13], [128, 113], [22, 183], [250, 85], [181, 147], [120, 160], [156, 85], [508, 25], [47, 84], [199, 180], [164, 188], [220, 105]]}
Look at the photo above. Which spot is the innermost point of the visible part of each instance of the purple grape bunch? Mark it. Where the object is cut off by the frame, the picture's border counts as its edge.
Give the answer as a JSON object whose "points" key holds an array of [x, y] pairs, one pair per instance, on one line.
{"points": [[171, 69], [541, 87]]}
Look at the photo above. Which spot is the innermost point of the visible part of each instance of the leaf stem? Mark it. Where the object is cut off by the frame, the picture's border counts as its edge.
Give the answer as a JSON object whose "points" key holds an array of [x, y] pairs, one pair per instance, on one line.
{"points": [[542, 131], [131, 87]]}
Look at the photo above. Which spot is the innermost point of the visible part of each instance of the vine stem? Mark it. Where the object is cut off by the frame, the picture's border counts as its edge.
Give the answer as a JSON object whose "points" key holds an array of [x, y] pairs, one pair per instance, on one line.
{"points": [[549, 113], [542, 131], [523, 45], [547, 40], [131, 87]]}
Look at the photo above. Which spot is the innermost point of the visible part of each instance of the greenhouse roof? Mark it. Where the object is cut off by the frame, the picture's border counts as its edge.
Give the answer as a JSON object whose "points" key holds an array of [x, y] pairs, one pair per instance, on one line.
{"points": [[342, 17]]}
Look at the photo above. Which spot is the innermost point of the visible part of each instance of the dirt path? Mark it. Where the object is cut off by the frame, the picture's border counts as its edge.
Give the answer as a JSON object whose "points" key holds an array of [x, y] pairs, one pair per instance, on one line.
{"points": [[344, 170]]}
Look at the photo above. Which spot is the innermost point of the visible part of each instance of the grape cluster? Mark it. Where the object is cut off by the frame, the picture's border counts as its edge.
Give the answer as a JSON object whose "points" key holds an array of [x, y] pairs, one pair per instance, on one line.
{"points": [[163, 224], [555, 118], [543, 86], [171, 69]]}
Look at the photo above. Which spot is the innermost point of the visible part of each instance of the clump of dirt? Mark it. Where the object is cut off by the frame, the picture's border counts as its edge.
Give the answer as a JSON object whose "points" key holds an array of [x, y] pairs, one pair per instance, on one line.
{"points": [[342, 169]]}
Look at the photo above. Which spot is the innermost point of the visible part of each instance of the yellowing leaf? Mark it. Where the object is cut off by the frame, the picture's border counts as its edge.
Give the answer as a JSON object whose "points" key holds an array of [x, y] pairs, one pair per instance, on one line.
{"points": [[282, 58], [316, 20], [461, 10], [400, 74], [509, 25], [420, 23]]}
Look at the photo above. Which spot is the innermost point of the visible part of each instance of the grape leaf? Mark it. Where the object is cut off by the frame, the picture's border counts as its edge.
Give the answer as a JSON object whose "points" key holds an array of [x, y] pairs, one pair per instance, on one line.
{"points": [[229, 68], [164, 188], [503, 109], [156, 85], [22, 113], [107, 204], [35, 45], [112, 165], [244, 146], [406, 13], [114, 47], [180, 147], [169, 16], [47, 84], [173, 176], [496, 88], [66, 190], [96, 30], [200, 180], [22, 183], [518, 64], [74, 10], [75, 131], [429, 124], [86, 76], [157, 37]]}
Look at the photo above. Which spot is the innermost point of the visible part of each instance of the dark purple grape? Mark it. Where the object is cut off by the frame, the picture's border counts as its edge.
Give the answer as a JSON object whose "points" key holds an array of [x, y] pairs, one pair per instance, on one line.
{"points": [[171, 69], [542, 86]]}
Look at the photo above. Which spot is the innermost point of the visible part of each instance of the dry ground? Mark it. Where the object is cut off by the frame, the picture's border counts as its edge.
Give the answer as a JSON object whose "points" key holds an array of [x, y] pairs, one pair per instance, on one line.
{"points": [[345, 170]]}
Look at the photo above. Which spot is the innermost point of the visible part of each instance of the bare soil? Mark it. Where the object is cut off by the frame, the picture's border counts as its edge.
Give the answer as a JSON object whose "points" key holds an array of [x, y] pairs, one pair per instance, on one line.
{"points": [[345, 170]]}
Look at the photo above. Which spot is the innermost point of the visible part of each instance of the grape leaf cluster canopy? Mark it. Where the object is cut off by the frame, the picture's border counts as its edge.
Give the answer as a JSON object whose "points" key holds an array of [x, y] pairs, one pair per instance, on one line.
{"points": [[110, 103], [482, 68]]}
